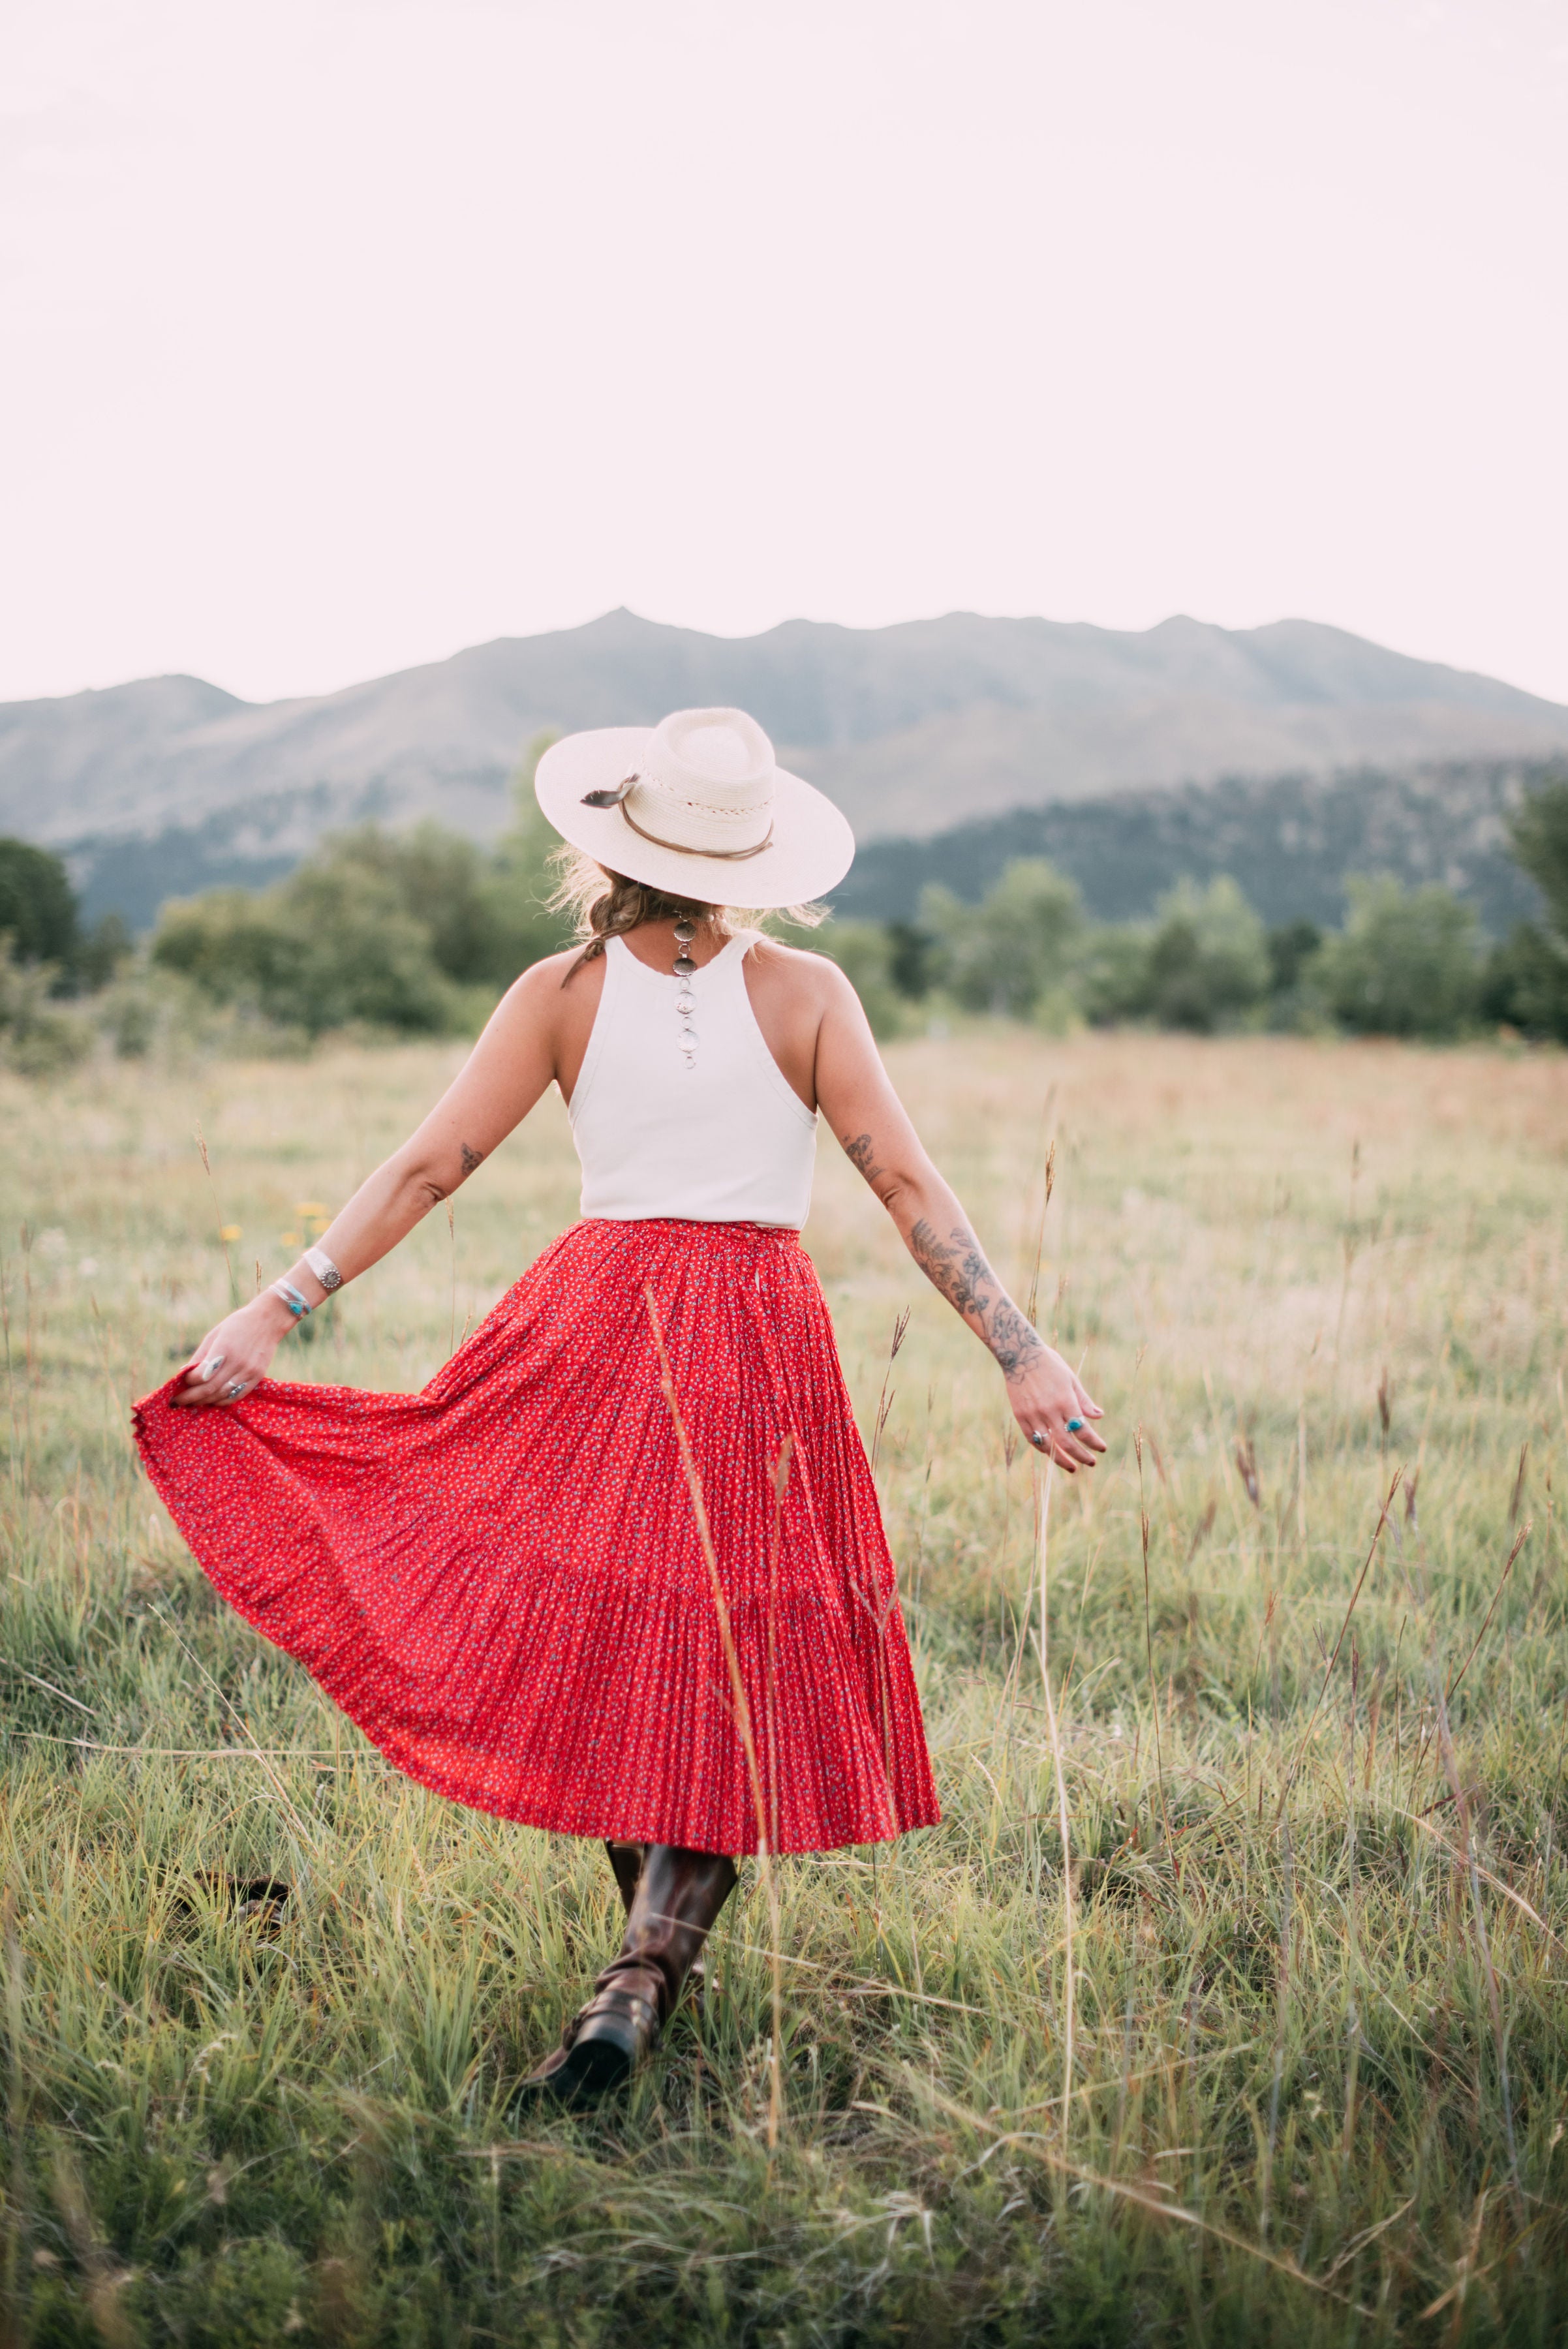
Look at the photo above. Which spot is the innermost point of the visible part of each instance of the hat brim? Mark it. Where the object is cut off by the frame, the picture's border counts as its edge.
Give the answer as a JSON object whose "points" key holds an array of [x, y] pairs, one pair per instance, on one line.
{"points": [[811, 850]]}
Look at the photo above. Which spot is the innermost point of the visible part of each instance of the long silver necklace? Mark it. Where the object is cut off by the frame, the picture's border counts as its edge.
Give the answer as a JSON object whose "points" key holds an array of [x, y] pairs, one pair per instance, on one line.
{"points": [[685, 1001]]}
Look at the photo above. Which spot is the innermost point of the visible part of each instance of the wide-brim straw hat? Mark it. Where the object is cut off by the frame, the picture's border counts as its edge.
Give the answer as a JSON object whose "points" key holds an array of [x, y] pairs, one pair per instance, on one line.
{"points": [[696, 807]]}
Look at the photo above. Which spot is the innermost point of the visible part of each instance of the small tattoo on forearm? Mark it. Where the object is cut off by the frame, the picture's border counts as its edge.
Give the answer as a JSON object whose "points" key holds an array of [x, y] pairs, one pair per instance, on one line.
{"points": [[470, 1159], [958, 1268], [860, 1155]]}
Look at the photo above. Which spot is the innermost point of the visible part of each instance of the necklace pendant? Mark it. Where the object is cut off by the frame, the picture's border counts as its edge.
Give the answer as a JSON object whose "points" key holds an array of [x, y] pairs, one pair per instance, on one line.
{"points": [[685, 1009], [685, 971]]}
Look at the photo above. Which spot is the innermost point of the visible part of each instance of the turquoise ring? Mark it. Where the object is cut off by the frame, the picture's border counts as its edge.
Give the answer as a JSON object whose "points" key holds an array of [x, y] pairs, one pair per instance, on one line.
{"points": [[1074, 1426]]}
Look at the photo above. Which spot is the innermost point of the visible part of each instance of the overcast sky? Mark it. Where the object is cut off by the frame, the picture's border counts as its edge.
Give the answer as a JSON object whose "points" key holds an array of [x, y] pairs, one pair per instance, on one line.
{"points": [[334, 336]]}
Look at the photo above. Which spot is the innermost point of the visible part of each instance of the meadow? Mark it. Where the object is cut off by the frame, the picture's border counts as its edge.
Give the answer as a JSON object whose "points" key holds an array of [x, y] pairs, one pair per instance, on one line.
{"points": [[1231, 1998]]}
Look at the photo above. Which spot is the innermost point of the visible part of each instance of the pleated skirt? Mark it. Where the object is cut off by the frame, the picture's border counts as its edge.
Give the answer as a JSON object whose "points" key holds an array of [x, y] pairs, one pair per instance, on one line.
{"points": [[503, 1580]]}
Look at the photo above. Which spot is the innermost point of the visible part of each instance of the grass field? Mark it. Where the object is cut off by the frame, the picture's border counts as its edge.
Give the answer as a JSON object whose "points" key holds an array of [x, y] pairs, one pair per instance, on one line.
{"points": [[1314, 2087]]}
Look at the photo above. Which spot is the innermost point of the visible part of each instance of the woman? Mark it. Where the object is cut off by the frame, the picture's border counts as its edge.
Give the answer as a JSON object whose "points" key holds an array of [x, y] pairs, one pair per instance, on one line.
{"points": [[618, 1571]]}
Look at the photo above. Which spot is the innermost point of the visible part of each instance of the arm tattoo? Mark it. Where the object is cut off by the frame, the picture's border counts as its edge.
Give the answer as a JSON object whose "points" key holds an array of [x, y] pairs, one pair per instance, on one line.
{"points": [[959, 1271], [957, 1267], [470, 1159], [860, 1155], [1014, 1339]]}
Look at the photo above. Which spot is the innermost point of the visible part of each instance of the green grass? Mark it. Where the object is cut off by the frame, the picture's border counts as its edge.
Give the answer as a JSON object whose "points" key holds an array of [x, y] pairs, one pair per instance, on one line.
{"points": [[1317, 1917]]}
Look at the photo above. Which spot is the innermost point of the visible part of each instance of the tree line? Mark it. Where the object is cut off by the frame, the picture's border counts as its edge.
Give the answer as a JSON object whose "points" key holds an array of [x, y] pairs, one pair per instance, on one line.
{"points": [[417, 933], [1408, 962]]}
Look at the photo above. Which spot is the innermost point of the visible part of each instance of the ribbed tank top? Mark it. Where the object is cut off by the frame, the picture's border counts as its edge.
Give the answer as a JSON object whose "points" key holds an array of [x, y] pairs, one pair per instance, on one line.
{"points": [[725, 1141]]}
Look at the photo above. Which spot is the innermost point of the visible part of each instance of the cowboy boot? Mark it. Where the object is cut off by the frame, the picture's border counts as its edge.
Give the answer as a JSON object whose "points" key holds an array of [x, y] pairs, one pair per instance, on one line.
{"points": [[625, 1863], [679, 1895], [626, 1866]]}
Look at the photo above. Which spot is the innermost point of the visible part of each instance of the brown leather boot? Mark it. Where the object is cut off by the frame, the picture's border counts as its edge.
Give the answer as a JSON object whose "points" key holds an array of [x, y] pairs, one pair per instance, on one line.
{"points": [[678, 1897], [625, 1863]]}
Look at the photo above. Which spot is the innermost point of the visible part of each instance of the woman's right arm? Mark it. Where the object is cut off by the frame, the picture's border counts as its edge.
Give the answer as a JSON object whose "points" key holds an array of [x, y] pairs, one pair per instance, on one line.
{"points": [[503, 1076]]}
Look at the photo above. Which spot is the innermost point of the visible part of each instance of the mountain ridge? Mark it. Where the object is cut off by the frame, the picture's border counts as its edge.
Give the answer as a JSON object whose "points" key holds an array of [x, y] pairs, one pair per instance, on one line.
{"points": [[912, 729]]}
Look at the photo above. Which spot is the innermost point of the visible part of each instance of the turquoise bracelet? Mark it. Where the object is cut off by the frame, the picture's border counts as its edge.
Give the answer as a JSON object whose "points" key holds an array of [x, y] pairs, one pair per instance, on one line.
{"points": [[291, 1298]]}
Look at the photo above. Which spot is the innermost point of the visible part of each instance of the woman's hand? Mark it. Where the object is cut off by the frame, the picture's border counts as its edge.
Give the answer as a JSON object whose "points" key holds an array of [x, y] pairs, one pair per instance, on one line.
{"points": [[1046, 1393], [233, 1357]]}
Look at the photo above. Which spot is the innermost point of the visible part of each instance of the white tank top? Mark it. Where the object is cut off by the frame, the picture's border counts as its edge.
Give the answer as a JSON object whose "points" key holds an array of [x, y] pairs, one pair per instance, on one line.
{"points": [[723, 1140]]}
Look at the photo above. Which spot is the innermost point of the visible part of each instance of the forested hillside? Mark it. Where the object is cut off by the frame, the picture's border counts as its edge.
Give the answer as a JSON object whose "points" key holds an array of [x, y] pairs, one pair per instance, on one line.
{"points": [[1290, 841]]}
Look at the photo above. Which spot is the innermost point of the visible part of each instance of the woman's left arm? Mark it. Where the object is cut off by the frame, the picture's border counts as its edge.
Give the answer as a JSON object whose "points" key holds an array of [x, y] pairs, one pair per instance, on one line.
{"points": [[856, 1097]]}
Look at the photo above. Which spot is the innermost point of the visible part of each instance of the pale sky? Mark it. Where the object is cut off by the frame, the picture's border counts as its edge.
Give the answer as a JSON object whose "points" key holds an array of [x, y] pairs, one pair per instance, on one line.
{"points": [[336, 337]]}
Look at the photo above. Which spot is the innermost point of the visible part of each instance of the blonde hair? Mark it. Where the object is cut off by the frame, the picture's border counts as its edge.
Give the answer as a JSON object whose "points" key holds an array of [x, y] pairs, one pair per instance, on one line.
{"points": [[603, 905]]}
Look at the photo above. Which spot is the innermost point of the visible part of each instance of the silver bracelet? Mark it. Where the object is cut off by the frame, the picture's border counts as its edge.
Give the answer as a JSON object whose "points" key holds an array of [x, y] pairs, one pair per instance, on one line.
{"points": [[291, 1298], [326, 1271]]}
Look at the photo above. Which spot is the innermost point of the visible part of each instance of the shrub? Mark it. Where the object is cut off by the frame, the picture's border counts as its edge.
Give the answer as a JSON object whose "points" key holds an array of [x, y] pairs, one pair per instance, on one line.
{"points": [[37, 905], [39, 915], [435, 878], [332, 944], [1295, 1001], [864, 953], [1290, 951], [151, 1012], [1525, 982], [1539, 843], [1405, 963], [1207, 958], [129, 1015], [1110, 973], [414, 931], [37, 1038], [1013, 951], [1526, 978], [101, 953], [911, 959], [488, 916]]}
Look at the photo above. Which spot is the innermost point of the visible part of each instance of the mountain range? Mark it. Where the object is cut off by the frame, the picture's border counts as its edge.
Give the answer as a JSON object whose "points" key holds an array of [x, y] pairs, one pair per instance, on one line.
{"points": [[170, 783]]}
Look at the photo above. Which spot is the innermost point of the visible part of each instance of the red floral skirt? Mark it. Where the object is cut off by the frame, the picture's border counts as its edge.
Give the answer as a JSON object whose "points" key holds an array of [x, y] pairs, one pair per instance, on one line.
{"points": [[502, 1579]]}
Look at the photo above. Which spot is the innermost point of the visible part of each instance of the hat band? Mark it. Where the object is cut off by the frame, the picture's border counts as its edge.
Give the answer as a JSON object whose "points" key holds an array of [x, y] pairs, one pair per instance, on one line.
{"points": [[730, 855], [676, 847]]}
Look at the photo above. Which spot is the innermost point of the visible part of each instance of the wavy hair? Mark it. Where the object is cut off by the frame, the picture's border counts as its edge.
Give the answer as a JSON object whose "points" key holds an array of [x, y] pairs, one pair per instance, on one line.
{"points": [[603, 904]]}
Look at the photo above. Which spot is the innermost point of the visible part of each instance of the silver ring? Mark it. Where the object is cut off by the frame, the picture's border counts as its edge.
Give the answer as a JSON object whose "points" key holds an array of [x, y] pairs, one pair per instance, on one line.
{"points": [[1074, 1427], [1039, 1439], [234, 1389], [211, 1367]]}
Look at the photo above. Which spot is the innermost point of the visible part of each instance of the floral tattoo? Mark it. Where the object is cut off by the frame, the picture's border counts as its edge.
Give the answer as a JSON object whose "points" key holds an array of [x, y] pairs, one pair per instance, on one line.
{"points": [[958, 1268]]}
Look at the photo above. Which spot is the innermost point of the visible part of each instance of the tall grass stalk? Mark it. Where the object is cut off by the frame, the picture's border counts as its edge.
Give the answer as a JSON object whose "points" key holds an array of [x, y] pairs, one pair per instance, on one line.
{"points": [[738, 1694], [1043, 1652]]}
